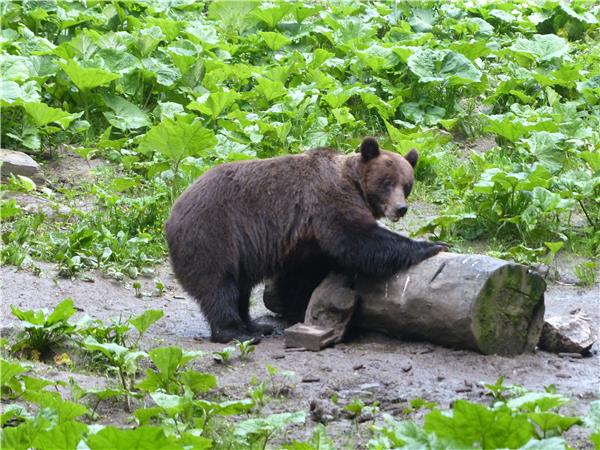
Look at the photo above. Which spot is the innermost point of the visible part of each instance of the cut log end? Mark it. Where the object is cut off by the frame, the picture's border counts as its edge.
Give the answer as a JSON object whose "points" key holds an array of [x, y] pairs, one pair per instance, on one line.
{"points": [[508, 313]]}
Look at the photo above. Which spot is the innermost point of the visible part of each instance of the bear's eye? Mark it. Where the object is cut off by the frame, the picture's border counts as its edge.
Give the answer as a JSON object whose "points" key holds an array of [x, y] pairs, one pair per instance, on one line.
{"points": [[387, 183]]}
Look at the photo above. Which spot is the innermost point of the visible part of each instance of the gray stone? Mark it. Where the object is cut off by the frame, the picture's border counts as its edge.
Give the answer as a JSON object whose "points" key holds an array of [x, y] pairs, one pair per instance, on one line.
{"points": [[19, 163], [568, 334]]}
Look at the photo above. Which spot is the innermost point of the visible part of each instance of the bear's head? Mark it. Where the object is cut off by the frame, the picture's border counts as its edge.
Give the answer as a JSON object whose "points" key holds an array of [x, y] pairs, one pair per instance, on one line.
{"points": [[386, 179]]}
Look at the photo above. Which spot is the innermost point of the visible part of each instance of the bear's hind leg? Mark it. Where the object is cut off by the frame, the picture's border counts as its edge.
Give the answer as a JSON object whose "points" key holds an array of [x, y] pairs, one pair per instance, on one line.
{"points": [[244, 310], [220, 306]]}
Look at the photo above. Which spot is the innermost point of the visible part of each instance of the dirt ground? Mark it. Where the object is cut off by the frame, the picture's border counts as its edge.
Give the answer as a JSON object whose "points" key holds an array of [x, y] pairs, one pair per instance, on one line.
{"points": [[370, 367]]}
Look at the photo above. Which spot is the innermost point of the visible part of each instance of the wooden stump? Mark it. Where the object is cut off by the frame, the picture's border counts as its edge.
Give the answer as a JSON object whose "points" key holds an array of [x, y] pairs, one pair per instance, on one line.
{"points": [[463, 301]]}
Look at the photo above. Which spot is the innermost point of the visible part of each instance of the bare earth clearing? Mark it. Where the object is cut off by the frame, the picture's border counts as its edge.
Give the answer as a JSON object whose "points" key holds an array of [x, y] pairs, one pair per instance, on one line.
{"points": [[370, 367]]}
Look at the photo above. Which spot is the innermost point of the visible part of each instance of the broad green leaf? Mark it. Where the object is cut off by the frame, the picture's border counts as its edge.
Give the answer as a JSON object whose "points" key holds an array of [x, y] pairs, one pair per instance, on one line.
{"points": [[274, 40], [552, 424], [537, 401], [10, 91], [62, 312], [541, 47], [215, 103], [443, 65], [43, 114], [546, 148], [270, 89], [64, 436], [9, 209], [142, 438], [87, 78], [146, 319], [178, 138], [198, 382], [378, 57], [475, 425], [125, 115], [421, 19], [267, 425], [8, 371], [271, 16]]}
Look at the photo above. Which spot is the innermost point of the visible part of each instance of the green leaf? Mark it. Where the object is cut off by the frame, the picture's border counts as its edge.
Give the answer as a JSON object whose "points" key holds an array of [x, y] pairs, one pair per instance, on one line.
{"points": [[547, 150], [64, 436], [142, 438], [534, 401], [178, 138], [215, 103], [198, 382], [270, 89], [274, 40], [8, 371], [9, 209], [442, 65], [378, 57], [553, 424], [146, 319], [62, 312], [267, 425], [542, 47], [87, 78], [125, 115], [10, 91], [475, 425], [271, 16], [421, 19], [43, 114]]}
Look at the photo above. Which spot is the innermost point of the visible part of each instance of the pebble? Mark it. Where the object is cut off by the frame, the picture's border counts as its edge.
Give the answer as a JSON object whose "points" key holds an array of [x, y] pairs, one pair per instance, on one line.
{"points": [[407, 367], [310, 379], [358, 367]]}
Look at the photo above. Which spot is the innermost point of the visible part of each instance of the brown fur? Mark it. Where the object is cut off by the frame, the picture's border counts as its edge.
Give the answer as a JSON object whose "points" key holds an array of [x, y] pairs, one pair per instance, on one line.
{"points": [[293, 218]]}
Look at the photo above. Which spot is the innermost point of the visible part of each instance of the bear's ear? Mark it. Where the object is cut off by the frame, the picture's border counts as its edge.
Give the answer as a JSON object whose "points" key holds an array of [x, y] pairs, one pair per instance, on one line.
{"points": [[369, 148], [412, 157]]}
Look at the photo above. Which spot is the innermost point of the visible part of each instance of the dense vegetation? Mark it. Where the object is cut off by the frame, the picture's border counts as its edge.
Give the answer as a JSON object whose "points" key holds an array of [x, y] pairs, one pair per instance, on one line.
{"points": [[502, 101], [165, 90]]}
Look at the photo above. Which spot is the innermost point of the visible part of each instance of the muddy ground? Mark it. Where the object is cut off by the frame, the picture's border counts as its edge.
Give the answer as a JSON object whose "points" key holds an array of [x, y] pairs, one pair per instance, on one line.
{"points": [[370, 367]]}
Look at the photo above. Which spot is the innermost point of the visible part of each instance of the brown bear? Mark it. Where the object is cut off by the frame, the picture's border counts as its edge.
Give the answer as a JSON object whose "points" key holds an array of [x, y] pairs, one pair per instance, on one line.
{"points": [[293, 218]]}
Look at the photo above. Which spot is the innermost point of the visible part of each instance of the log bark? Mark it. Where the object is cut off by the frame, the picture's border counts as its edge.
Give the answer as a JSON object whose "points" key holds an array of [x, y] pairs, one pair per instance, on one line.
{"points": [[462, 301]]}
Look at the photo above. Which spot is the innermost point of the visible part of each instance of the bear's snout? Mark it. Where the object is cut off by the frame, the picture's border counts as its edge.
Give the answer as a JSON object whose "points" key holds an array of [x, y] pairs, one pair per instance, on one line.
{"points": [[401, 211]]}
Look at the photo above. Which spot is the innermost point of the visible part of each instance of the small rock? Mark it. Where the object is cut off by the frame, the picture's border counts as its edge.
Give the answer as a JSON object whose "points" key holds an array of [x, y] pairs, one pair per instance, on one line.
{"points": [[425, 350], [19, 163], [310, 379], [567, 334], [441, 378], [563, 375], [369, 386], [278, 356], [460, 390], [406, 367], [323, 411], [358, 367]]}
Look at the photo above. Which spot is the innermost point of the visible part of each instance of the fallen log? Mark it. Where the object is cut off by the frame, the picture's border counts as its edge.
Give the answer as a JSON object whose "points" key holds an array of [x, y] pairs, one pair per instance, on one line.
{"points": [[462, 301]]}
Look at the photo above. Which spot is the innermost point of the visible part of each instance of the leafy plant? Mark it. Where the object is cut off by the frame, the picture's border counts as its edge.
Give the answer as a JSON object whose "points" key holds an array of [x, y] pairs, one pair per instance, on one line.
{"points": [[42, 330]]}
